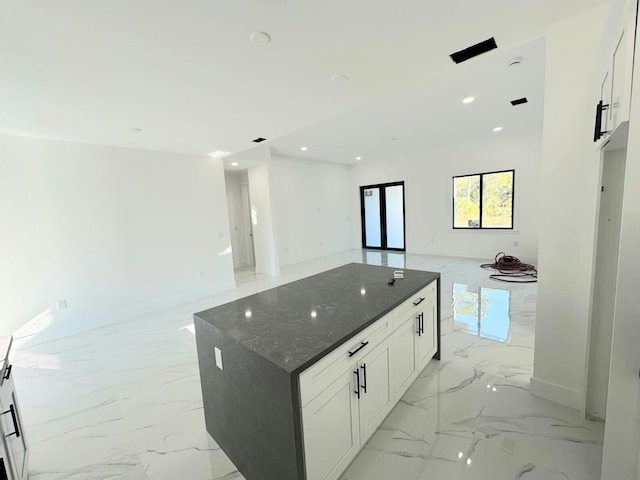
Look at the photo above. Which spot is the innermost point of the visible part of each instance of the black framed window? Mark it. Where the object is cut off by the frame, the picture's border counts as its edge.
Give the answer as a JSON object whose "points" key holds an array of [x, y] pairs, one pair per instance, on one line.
{"points": [[484, 201]]}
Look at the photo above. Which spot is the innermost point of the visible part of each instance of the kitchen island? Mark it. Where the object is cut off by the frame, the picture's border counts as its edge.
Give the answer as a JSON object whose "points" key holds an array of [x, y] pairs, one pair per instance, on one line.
{"points": [[297, 378]]}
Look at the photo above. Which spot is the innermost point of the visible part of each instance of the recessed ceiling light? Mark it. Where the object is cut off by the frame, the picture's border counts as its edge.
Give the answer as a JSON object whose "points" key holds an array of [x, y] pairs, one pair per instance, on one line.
{"points": [[234, 164], [358, 158], [304, 149], [219, 154], [136, 130], [468, 100], [497, 129], [393, 139], [339, 78], [260, 38]]}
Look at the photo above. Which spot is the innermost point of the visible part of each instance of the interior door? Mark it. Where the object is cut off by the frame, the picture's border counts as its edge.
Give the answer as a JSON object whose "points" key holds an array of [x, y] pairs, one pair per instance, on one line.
{"points": [[382, 212], [248, 225]]}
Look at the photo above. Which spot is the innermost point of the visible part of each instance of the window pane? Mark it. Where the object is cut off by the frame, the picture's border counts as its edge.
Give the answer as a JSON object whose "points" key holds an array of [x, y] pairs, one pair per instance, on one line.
{"points": [[466, 201], [395, 216], [372, 232], [497, 200]]}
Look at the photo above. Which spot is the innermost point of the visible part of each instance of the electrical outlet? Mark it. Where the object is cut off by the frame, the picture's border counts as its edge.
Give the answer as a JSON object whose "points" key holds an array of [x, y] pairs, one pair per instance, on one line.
{"points": [[62, 304], [218, 354]]}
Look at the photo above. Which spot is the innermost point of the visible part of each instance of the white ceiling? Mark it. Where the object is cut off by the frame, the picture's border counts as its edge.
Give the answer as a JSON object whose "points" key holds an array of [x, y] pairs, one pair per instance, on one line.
{"points": [[428, 118], [185, 72]]}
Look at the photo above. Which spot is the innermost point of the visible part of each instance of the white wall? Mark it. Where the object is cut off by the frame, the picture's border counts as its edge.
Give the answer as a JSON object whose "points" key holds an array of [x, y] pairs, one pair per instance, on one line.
{"points": [[428, 196], [622, 428], [568, 202], [107, 229], [264, 231], [233, 183], [311, 203]]}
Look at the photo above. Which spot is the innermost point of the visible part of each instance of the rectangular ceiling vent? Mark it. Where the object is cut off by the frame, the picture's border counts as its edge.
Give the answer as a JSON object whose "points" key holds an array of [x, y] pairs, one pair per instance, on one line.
{"points": [[474, 50], [519, 101], [259, 139]]}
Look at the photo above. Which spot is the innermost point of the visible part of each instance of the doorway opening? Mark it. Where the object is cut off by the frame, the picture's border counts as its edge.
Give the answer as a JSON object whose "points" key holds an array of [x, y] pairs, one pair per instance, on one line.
{"points": [[241, 226], [382, 216]]}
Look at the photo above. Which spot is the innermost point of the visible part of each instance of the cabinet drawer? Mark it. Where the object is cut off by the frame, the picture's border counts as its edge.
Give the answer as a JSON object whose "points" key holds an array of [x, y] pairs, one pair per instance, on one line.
{"points": [[321, 374], [414, 303]]}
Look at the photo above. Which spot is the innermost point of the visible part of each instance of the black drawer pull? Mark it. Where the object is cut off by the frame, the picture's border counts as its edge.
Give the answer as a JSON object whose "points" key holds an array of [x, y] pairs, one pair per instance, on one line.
{"points": [[415, 304], [364, 377], [357, 392], [362, 345], [7, 373], [12, 411]]}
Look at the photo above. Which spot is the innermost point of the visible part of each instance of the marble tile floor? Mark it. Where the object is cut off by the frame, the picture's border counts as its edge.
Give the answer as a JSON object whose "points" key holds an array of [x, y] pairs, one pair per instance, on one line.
{"points": [[124, 401]]}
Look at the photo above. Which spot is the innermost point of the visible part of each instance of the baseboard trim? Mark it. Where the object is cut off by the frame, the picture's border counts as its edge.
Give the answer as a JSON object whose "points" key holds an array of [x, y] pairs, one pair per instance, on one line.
{"points": [[556, 393]]}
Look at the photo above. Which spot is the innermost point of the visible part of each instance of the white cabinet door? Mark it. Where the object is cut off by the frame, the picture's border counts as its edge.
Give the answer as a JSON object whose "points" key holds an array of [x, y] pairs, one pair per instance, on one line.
{"points": [[12, 430], [330, 429], [622, 66], [605, 96], [618, 106], [376, 390], [405, 354], [427, 340]]}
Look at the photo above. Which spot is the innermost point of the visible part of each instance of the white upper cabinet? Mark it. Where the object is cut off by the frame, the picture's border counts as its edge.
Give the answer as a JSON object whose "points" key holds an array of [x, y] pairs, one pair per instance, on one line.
{"points": [[617, 72], [622, 66]]}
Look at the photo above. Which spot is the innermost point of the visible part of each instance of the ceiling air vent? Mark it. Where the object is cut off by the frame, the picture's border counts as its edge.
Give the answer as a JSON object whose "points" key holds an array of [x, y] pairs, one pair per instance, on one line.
{"points": [[519, 101], [259, 139], [474, 50]]}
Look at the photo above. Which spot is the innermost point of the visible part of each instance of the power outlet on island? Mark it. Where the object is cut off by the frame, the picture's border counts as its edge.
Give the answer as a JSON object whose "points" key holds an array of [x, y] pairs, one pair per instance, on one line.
{"points": [[218, 354]]}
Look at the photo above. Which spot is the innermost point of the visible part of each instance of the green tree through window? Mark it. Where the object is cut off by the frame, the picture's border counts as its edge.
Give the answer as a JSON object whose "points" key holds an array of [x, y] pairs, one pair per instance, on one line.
{"points": [[483, 200]]}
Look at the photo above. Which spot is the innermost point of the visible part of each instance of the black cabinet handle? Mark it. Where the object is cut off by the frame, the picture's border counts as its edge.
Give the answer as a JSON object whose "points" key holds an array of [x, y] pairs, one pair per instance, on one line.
{"points": [[12, 411], [364, 377], [418, 319], [415, 304], [362, 345], [597, 134], [7, 373], [421, 323], [357, 392]]}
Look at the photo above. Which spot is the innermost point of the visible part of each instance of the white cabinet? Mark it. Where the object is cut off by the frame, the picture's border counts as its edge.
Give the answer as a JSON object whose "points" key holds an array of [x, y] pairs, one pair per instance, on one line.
{"points": [[427, 339], [617, 72], [622, 67], [344, 416], [376, 390], [15, 456], [346, 395], [331, 431], [405, 354]]}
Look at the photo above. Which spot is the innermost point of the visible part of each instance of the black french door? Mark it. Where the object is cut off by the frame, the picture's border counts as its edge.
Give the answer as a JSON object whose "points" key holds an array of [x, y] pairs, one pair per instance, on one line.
{"points": [[382, 216]]}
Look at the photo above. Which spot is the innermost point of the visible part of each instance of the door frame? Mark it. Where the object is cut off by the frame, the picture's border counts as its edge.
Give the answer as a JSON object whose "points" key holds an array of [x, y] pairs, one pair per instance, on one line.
{"points": [[383, 216]]}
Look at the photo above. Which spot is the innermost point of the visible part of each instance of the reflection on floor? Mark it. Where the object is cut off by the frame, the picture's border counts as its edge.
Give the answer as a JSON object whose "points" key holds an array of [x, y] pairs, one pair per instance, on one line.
{"points": [[484, 311], [124, 401]]}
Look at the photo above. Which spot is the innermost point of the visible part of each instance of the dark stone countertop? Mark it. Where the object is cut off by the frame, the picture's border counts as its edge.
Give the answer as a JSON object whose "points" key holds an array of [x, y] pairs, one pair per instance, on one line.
{"points": [[296, 324]]}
